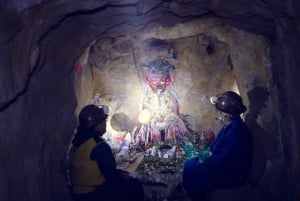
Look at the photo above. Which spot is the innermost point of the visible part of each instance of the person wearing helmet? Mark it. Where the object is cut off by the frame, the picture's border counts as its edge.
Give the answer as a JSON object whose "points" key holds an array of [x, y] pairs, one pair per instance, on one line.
{"points": [[231, 152], [92, 166]]}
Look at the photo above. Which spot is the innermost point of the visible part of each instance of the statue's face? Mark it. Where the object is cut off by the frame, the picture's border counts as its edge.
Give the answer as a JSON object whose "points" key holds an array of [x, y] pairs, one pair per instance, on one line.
{"points": [[159, 83]]}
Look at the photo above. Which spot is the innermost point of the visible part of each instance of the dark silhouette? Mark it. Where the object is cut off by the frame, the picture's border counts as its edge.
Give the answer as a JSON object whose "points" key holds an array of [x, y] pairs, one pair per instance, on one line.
{"points": [[230, 160], [92, 166]]}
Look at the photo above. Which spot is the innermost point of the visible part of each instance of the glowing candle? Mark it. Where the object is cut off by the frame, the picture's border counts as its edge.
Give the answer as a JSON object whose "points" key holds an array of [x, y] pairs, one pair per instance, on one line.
{"points": [[144, 117]]}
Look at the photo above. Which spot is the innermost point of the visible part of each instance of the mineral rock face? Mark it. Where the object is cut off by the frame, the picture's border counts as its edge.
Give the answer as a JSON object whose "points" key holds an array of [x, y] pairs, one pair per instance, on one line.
{"points": [[41, 42]]}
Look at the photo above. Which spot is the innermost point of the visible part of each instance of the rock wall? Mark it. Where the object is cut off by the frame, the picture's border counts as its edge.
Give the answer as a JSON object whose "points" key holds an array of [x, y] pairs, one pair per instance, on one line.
{"points": [[41, 41]]}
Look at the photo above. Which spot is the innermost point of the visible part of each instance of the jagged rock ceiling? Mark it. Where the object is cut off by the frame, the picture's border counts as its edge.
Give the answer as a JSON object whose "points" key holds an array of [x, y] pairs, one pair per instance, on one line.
{"points": [[40, 41]]}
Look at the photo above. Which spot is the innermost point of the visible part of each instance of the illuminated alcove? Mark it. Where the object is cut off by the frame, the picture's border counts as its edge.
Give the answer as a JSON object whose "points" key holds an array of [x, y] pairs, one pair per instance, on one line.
{"points": [[46, 78], [209, 58]]}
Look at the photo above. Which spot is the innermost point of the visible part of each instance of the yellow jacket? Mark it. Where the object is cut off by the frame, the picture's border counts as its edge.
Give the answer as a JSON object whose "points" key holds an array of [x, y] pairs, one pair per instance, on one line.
{"points": [[84, 172]]}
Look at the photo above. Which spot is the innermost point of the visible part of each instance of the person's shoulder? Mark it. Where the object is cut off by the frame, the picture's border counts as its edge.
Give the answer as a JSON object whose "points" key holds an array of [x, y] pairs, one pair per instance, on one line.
{"points": [[102, 144], [239, 122], [101, 148], [238, 125]]}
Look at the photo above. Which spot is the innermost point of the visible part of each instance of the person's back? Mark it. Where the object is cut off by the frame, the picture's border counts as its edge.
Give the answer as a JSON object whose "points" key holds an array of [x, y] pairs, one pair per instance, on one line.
{"points": [[84, 172], [92, 166]]}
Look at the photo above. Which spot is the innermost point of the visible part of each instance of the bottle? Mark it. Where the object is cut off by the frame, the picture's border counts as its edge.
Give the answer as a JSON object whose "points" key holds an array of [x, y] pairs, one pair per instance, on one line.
{"points": [[178, 152], [203, 154], [189, 150], [171, 152]]}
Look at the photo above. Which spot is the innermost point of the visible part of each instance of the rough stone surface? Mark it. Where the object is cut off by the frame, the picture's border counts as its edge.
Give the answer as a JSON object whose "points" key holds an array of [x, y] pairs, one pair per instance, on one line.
{"points": [[208, 63], [41, 41]]}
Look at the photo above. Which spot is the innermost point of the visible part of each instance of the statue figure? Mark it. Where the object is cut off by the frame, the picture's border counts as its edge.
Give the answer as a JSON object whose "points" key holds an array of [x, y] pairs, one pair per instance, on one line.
{"points": [[159, 116]]}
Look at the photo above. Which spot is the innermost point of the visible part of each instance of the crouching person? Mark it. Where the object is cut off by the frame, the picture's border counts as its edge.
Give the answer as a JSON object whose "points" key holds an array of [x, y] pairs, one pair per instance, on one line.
{"points": [[231, 152], [92, 166]]}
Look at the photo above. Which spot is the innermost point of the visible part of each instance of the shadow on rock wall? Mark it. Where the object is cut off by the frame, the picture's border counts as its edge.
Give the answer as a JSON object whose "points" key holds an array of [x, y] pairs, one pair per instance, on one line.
{"points": [[264, 143]]}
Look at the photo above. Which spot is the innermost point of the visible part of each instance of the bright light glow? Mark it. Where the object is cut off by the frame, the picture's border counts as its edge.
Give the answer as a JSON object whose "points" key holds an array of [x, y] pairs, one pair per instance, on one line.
{"points": [[144, 117], [235, 87], [213, 99]]}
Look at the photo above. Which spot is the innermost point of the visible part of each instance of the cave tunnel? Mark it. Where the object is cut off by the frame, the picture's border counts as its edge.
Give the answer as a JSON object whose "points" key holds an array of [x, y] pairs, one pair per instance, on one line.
{"points": [[57, 56]]}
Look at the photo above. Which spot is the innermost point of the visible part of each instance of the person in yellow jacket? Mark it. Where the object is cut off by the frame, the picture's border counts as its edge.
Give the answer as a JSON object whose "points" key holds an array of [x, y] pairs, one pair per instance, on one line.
{"points": [[92, 166]]}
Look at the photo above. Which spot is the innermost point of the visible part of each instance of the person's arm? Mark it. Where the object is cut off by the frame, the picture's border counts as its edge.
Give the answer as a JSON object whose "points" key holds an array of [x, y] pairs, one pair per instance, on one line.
{"points": [[103, 155], [234, 153], [227, 147]]}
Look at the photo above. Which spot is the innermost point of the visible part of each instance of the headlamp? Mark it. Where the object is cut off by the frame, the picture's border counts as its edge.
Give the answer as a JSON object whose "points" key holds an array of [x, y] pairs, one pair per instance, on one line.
{"points": [[213, 99]]}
